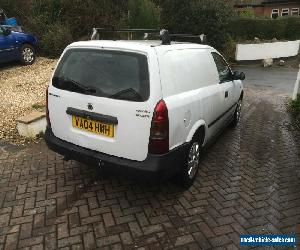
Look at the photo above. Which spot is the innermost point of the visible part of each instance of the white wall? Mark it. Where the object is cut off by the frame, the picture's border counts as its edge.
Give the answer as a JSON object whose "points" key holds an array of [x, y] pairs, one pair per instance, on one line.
{"points": [[266, 50]]}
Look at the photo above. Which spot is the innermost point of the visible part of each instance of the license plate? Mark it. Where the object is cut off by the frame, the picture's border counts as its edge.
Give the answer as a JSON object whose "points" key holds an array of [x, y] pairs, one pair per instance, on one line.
{"points": [[93, 126]]}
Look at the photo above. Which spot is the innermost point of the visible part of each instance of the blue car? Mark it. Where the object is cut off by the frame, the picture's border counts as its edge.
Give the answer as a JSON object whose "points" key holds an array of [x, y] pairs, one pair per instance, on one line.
{"points": [[17, 46]]}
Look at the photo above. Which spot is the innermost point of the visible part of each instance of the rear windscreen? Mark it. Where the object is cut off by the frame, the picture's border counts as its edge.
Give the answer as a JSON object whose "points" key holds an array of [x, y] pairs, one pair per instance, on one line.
{"points": [[111, 74]]}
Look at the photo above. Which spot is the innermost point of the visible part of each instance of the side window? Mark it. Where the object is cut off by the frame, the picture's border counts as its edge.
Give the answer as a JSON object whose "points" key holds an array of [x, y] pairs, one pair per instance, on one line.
{"points": [[222, 67], [1, 30]]}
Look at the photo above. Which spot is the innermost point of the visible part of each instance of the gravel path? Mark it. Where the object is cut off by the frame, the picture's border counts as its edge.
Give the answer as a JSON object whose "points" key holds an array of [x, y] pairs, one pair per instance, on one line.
{"points": [[21, 89]]}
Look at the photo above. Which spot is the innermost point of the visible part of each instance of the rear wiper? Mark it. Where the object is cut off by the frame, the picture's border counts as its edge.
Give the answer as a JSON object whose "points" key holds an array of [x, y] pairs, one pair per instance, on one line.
{"points": [[125, 91], [82, 87]]}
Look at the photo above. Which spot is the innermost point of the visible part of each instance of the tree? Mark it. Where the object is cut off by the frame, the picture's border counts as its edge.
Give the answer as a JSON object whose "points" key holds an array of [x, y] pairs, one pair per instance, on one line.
{"points": [[176, 15], [57, 23], [142, 14], [199, 16]]}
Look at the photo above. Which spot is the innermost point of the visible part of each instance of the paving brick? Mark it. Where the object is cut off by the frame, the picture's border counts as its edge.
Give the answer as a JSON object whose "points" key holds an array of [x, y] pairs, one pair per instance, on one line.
{"points": [[219, 241], [125, 219], [21, 220], [117, 229], [232, 247], [108, 220], [241, 188], [203, 243], [39, 220], [31, 241], [109, 240], [89, 240], [183, 240], [5, 210], [223, 230], [126, 238], [11, 241], [62, 230], [205, 229], [74, 220], [69, 241], [38, 247], [91, 219], [26, 230], [99, 230], [81, 230], [4, 220], [29, 203], [83, 211], [50, 241], [135, 229], [17, 211], [142, 219]]}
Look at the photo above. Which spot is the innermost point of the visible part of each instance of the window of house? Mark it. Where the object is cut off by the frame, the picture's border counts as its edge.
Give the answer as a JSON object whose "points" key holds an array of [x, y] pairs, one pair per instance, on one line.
{"points": [[275, 13], [285, 12], [295, 12]]}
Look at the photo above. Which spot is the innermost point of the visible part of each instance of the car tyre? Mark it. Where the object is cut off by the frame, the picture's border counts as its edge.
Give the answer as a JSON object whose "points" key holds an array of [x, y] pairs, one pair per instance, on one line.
{"points": [[237, 114], [27, 54], [190, 168]]}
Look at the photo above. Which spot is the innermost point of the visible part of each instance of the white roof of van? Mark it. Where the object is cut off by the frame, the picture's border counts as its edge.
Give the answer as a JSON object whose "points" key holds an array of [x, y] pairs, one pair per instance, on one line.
{"points": [[136, 44]]}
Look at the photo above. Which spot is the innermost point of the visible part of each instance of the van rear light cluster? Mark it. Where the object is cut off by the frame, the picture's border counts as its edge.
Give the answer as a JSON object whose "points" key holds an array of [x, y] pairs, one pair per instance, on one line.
{"points": [[159, 132], [47, 110]]}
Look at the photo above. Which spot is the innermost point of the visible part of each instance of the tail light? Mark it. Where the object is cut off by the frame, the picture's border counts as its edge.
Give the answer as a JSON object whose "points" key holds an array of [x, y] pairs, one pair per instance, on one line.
{"points": [[47, 110], [159, 132]]}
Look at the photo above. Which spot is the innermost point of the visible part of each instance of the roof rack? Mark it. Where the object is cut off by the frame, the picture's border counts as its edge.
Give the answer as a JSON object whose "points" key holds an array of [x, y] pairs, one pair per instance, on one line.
{"points": [[163, 34]]}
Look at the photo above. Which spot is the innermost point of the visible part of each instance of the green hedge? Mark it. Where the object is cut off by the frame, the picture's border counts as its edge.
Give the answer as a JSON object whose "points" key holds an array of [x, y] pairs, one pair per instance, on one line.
{"points": [[243, 28]]}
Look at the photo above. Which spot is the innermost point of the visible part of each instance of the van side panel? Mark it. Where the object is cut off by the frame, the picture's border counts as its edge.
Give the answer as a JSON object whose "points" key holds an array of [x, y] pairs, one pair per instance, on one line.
{"points": [[190, 89]]}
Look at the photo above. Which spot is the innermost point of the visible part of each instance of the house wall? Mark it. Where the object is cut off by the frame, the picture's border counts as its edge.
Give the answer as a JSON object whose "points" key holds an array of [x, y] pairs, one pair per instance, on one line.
{"points": [[259, 11], [267, 10]]}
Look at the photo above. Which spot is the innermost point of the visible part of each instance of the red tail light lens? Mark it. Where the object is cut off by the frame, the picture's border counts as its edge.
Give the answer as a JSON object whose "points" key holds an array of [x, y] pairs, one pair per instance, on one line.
{"points": [[159, 133], [47, 110]]}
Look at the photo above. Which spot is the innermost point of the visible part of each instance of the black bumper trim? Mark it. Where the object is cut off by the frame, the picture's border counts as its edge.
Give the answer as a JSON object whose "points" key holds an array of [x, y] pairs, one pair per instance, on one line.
{"points": [[160, 166], [92, 115]]}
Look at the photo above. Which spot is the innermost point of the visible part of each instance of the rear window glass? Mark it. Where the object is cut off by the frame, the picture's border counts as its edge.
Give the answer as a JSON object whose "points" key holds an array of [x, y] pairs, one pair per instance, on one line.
{"points": [[111, 74]]}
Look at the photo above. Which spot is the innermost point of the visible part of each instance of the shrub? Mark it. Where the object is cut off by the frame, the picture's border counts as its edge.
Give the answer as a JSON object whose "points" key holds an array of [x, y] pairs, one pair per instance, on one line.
{"points": [[55, 39], [242, 28], [229, 49], [56, 23]]}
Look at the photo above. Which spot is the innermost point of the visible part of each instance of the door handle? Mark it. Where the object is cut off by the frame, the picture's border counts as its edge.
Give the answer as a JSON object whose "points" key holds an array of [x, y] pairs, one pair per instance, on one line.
{"points": [[226, 94]]}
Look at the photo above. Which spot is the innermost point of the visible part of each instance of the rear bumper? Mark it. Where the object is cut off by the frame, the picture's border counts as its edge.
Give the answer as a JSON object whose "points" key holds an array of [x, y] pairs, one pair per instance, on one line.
{"points": [[154, 166]]}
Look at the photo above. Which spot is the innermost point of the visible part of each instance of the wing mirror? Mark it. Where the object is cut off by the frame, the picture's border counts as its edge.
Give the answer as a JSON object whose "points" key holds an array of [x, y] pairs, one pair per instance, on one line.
{"points": [[6, 32], [239, 75]]}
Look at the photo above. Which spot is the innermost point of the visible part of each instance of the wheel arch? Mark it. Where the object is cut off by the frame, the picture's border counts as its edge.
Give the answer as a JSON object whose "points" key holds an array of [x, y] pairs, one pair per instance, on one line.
{"points": [[198, 129], [27, 43]]}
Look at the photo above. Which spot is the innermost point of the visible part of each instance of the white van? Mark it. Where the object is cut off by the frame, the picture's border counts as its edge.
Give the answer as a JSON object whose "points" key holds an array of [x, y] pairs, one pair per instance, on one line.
{"points": [[143, 106]]}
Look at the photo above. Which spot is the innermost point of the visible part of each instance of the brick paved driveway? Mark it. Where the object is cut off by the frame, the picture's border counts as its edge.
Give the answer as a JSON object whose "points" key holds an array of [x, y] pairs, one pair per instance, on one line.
{"points": [[248, 183]]}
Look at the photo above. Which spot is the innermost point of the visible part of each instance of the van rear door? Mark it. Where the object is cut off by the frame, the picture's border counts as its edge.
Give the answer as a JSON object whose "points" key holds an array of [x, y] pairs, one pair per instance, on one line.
{"points": [[101, 99]]}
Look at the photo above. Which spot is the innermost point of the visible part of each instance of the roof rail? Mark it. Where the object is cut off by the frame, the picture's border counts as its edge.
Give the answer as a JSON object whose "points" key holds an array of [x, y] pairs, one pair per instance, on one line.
{"points": [[163, 34]]}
